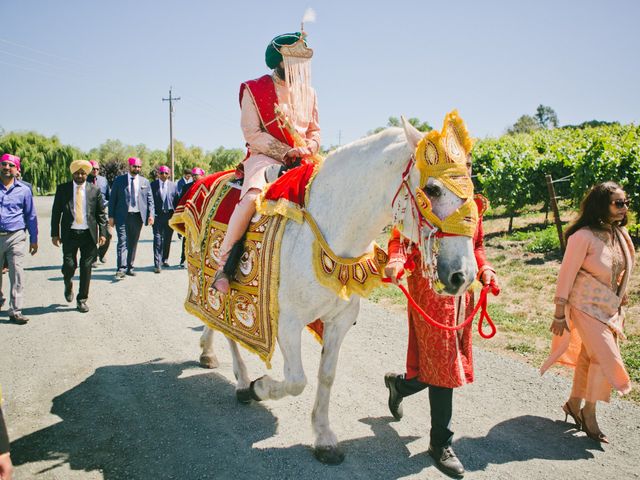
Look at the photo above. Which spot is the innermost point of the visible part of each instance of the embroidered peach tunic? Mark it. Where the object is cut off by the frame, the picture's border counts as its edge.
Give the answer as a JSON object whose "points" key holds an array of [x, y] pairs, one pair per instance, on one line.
{"points": [[265, 149], [591, 283]]}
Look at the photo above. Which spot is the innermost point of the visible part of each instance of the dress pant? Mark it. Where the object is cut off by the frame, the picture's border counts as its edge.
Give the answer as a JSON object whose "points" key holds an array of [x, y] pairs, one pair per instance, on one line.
{"points": [[441, 403], [128, 236], [13, 248], [83, 241], [102, 250], [162, 235]]}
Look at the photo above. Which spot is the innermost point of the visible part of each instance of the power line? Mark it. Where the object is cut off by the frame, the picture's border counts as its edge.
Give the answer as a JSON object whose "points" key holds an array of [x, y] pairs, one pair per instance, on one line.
{"points": [[41, 52]]}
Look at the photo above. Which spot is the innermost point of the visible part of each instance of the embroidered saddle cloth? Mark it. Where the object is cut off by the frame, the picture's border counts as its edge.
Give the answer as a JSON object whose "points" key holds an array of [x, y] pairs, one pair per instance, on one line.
{"points": [[249, 313]]}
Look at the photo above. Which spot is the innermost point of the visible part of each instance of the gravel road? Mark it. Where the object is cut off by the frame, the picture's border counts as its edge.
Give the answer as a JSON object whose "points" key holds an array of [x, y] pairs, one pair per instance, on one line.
{"points": [[117, 394]]}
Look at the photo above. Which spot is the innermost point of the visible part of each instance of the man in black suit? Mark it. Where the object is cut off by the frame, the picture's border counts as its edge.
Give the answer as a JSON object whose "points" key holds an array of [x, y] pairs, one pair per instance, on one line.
{"points": [[164, 201], [79, 220]]}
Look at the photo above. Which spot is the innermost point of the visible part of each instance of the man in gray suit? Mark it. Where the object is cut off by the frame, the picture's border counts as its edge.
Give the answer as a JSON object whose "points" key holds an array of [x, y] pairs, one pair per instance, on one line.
{"points": [[130, 205], [79, 220]]}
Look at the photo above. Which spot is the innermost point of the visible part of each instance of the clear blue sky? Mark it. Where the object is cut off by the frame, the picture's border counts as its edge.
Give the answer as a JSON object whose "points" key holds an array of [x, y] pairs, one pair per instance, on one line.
{"points": [[92, 70]]}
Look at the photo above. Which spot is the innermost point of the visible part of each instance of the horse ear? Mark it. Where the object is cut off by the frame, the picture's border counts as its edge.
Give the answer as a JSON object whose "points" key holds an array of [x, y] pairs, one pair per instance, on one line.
{"points": [[412, 133]]}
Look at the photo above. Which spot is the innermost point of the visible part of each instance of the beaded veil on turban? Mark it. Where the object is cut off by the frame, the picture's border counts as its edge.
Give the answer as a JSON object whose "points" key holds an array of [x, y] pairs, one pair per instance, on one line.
{"points": [[292, 50]]}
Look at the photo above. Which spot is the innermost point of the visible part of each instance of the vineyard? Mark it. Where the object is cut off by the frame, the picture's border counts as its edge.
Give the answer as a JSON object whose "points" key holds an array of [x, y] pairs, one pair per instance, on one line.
{"points": [[511, 170]]}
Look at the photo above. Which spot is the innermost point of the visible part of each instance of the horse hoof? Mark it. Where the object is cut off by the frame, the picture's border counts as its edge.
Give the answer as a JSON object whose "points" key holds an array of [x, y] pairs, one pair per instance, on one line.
{"points": [[209, 361], [244, 395], [329, 455]]}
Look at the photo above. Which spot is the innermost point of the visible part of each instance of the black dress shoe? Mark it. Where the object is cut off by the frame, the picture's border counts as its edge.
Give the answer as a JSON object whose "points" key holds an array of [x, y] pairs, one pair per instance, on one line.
{"points": [[131, 273], [68, 292], [82, 306], [446, 461], [18, 318], [165, 264], [395, 399]]}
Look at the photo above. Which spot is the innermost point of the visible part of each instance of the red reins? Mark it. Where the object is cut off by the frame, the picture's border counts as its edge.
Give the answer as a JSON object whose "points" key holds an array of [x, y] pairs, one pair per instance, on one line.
{"points": [[482, 304]]}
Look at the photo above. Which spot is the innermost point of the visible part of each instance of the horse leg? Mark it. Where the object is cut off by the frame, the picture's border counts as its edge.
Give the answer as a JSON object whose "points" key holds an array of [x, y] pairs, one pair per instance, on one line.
{"points": [[326, 447], [239, 367], [266, 388], [208, 357]]}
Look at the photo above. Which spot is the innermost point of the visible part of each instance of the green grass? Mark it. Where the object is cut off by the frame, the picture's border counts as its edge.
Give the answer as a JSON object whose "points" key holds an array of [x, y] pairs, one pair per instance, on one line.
{"points": [[389, 293], [537, 241], [631, 355]]}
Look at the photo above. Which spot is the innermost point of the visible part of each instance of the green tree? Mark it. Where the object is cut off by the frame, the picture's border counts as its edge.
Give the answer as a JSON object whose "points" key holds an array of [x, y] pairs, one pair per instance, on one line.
{"points": [[525, 124], [224, 159], [546, 117], [395, 122]]}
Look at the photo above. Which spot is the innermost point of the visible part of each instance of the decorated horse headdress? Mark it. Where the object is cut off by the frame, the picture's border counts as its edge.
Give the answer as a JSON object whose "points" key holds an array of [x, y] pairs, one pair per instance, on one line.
{"points": [[443, 155]]}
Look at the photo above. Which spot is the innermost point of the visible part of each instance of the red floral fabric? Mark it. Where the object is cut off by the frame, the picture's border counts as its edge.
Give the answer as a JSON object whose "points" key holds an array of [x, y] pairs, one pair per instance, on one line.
{"points": [[437, 357]]}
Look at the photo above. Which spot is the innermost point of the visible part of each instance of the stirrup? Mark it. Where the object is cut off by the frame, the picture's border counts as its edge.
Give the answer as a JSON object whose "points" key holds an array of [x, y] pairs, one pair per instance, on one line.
{"points": [[221, 282]]}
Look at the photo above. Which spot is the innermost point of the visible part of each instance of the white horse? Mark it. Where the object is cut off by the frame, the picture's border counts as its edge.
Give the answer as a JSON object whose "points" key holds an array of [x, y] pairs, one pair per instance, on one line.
{"points": [[351, 202]]}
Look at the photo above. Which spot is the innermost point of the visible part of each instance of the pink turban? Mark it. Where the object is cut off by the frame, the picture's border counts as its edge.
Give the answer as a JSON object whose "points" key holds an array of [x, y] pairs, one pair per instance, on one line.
{"points": [[7, 157], [94, 164], [135, 162], [163, 169], [197, 171]]}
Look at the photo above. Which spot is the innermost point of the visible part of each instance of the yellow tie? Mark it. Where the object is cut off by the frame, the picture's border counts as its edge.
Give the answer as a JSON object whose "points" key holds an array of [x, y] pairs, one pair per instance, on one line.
{"points": [[79, 205]]}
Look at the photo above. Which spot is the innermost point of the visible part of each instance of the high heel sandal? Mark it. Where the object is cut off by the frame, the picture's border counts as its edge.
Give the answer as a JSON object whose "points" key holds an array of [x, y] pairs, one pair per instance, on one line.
{"points": [[597, 436], [569, 413]]}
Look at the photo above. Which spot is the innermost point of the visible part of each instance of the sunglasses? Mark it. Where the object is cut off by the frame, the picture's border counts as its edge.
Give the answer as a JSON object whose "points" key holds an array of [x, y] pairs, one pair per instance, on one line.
{"points": [[621, 203], [7, 164]]}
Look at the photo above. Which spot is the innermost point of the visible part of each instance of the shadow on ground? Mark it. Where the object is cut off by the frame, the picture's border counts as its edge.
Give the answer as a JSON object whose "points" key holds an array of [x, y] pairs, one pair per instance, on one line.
{"points": [[145, 422], [165, 420], [524, 438]]}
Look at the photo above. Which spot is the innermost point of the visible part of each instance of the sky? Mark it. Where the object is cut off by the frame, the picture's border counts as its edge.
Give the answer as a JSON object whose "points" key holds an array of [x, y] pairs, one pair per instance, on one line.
{"points": [[89, 70]]}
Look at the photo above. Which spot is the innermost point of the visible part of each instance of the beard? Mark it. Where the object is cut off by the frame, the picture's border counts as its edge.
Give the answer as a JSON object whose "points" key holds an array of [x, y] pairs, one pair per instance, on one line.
{"points": [[280, 72]]}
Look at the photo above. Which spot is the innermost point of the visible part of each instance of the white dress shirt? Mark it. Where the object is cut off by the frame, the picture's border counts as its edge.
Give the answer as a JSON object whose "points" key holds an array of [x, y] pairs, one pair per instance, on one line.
{"points": [[75, 225]]}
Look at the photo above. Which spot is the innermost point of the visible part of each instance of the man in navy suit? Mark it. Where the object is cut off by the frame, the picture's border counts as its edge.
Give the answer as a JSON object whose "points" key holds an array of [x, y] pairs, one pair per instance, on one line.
{"points": [[184, 181], [164, 199], [79, 221], [130, 206], [101, 182]]}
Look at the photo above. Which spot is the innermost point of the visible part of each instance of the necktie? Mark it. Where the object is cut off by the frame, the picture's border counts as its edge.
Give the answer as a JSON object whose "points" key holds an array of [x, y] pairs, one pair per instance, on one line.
{"points": [[165, 204], [79, 210], [132, 193]]}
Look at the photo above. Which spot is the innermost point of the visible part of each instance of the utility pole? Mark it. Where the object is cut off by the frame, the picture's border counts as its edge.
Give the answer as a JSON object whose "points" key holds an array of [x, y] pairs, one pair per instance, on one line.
{"points": [[171, 100]]}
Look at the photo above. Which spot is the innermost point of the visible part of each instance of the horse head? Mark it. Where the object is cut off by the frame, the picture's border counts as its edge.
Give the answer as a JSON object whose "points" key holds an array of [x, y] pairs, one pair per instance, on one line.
{"points": [[435, 205]]}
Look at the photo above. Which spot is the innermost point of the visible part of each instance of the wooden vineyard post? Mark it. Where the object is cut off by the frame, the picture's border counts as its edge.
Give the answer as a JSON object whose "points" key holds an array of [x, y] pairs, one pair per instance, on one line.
{"points": [[556, 213]]}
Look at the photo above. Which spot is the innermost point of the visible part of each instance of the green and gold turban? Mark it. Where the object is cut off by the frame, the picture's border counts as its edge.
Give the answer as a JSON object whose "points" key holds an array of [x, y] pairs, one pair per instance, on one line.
{"points": [[272, 56]]}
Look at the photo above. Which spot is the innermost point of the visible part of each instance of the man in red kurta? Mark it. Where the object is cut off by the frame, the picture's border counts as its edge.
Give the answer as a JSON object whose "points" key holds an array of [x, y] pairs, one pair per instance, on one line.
{"points": [[438, 359]]}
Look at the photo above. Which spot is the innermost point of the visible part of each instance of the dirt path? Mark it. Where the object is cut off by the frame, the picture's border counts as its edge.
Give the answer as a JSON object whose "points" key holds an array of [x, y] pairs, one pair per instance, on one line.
{"points": [[117, 394]]}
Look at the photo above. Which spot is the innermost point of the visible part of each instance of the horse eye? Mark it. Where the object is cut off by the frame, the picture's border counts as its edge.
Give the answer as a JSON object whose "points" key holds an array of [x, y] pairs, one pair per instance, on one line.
{"points": [[433, 190]]}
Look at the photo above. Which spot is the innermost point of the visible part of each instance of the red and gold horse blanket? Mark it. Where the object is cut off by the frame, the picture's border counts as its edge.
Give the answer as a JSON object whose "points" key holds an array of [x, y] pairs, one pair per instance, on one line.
{"points": [[249, 313]]}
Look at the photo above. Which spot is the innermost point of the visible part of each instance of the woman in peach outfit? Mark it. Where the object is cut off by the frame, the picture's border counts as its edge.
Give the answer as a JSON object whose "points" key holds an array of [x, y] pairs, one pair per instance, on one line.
{"points": [[590, 293]]}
